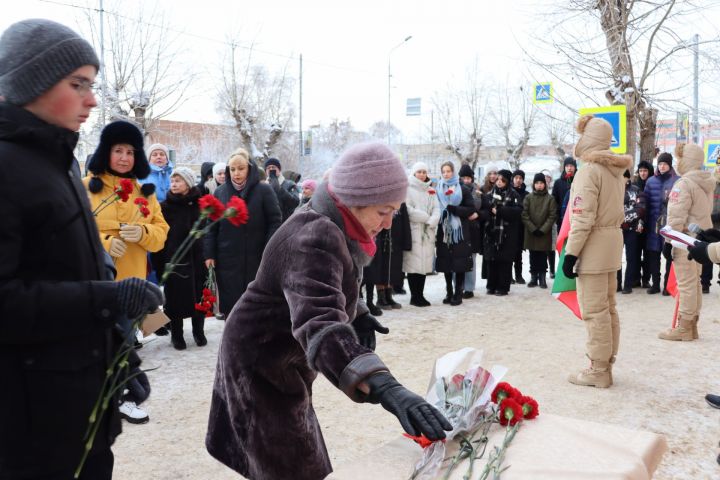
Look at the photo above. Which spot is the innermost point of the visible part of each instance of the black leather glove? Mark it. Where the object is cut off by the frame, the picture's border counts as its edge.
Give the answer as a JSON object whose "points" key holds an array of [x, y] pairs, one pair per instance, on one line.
{"points": [[710, 235], [365, 327], [415, 414], [452, 209], [699, 252], [137, 297], [569, 265], [538, 232]]}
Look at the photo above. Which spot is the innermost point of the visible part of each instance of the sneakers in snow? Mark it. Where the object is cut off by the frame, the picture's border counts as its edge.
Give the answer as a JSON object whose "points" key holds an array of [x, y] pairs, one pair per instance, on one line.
{"points": [[132, 413]]}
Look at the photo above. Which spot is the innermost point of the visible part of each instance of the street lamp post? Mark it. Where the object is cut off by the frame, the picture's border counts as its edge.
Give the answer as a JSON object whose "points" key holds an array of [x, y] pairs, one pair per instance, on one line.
{"points": [[389, 83]]}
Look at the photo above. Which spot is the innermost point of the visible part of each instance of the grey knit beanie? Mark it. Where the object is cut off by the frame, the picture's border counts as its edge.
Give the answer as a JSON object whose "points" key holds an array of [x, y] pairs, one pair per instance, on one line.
{"points": [[186, 174], [369, 174], [36, 54]]}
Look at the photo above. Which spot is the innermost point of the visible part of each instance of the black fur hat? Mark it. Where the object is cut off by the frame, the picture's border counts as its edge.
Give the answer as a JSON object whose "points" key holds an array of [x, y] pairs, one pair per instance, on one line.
{"points": [[114, 133]]}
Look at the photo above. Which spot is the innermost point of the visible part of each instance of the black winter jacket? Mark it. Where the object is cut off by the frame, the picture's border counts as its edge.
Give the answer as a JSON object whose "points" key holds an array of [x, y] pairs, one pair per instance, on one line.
{"points": [[56, 309], [237, 251], [502, 231], [456, 257]]}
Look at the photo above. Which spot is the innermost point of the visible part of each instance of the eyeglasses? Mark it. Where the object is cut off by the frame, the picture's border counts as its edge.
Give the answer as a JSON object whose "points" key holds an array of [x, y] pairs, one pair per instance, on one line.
{"points": [[83, 86]]}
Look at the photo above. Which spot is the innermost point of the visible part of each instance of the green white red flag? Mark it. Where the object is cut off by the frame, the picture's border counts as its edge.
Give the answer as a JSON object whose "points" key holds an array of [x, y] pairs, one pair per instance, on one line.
{"points": [[565, 289]]}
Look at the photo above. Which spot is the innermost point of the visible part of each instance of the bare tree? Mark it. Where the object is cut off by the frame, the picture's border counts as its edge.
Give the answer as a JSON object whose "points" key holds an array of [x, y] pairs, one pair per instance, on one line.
{"points": [[460, 114], [558, 132], [382, 131], [336, 136], [622, 47], [145, 78], [514, 116], [258, 102]]}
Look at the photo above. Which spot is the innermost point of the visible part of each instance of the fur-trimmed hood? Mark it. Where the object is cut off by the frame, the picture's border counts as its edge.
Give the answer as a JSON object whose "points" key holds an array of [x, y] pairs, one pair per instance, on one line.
{"points": [[614, 162], [702, 179]]}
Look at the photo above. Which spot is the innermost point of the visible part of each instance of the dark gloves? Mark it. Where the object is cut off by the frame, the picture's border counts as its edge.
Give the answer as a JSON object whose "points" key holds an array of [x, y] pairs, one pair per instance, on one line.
{"points": [[415, 414], [452, 209], [699, 252], [538, 232], [569, 265], [711, 235], [274, 183], [365, 327], [137, 297]]}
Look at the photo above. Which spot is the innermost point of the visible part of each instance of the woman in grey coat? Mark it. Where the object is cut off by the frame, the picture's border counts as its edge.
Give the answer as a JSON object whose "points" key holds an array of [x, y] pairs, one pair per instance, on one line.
{"points": [[302, 316]]}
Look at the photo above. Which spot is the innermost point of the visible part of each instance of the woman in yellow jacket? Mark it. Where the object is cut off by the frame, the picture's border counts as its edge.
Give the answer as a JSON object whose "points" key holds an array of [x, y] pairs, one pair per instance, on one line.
{"points": [[125, 233]]}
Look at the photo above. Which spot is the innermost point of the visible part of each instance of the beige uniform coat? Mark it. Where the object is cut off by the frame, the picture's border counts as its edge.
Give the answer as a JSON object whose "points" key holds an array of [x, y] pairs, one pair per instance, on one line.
{"points": [[596, 212]]}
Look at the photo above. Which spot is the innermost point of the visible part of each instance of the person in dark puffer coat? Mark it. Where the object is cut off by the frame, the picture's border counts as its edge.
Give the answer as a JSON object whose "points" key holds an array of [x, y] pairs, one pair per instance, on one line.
{"points": [[183, 288], [236, 251]]}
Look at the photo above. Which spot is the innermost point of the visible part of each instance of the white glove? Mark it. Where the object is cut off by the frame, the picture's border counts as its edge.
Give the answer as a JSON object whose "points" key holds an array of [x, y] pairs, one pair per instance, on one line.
{"points": [[131, 233], [117, 247]]}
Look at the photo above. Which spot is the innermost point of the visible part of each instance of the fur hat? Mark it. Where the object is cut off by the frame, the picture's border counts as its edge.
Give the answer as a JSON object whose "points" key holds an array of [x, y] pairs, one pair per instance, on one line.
{"points": [[186, 174], [417, 166], [690, 157], [368, 174], [158, 146], [506, 174], [466, 171], [595, 135], [520, 173], [665, 157], [115, 133], [36, 54], [272, 161], [646, 165]]}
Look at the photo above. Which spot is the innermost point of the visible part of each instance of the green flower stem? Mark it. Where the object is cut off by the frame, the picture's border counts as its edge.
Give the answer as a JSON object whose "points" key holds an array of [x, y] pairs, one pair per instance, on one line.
{"points": [[498, 455], [195, 234], [105, 203]]}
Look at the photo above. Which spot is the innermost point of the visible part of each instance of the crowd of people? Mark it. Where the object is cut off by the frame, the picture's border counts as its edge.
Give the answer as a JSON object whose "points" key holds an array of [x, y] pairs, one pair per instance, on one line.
{"points": [[76, 269]]}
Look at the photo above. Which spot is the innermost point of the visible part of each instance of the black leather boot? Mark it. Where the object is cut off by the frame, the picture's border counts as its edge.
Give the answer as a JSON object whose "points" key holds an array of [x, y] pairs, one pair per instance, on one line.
{"points": [[389, 298], [533, 280], [198, 330], [176, 334], [541, 281], [374, 309], [382, 299], [448, 290]]}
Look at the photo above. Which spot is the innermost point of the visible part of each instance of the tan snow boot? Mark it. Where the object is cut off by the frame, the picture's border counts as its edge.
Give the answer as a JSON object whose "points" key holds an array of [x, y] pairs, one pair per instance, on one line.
{"points": [[598, 375], [610, 367], [695, 321], [683, 332]]}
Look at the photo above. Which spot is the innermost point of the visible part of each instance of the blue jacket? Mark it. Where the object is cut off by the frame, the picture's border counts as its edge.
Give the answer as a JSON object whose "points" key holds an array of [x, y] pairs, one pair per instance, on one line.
{"points": [[160, 177], [657, 190]]}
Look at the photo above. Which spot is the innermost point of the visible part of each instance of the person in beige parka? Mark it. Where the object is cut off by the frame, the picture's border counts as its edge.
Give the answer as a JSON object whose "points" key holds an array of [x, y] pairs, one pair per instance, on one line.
{"points": [[594, 248], [690, 201]]}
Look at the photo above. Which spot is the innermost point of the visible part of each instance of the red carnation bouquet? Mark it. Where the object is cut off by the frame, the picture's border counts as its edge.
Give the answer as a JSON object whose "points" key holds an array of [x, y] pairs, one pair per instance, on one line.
{"points": [[122, 193], [473, 400], [209, 294]]}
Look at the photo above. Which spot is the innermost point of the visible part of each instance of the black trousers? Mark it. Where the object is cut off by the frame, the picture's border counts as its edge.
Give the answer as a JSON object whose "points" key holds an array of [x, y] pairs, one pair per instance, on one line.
{"points": [[459, 282], [654, 264], [538, 262], [551, 261], [98, 466], [517, 263], [499, 275], [706, 276], [632, 261], [642, 271]]}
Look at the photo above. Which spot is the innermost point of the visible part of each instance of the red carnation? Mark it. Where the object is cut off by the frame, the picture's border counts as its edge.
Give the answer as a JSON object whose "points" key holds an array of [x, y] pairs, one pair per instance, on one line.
{"points": [[237, 212], [207, 292], [211, 207], [431, 191], [458, 380], [141, 201], [502, 391], [199, 307], [144, 211], [422, 440], [124, 190], [449, 192], [529, 407], [510, 412]]}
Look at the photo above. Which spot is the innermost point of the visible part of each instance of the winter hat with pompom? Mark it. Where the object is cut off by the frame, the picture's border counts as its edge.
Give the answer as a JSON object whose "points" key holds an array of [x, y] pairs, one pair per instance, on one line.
{"points": [[690, 157], [595, 135], [186, 174], [368, 174]]}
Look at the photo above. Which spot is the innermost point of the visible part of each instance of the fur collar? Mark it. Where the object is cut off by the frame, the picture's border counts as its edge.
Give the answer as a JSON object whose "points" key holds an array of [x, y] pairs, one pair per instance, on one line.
{"points": [[323, 204], [614, 162]]}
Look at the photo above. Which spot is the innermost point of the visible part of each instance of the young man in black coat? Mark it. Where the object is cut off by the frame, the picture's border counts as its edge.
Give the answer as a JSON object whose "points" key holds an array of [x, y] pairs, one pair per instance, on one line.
{"points": [[57, 310], [518, 181], [286, 190]]}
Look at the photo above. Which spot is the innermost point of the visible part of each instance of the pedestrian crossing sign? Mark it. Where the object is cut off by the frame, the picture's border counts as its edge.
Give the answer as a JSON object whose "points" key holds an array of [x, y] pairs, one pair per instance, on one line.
{"points": [[712, 152], [616, 115], [543, 93]]}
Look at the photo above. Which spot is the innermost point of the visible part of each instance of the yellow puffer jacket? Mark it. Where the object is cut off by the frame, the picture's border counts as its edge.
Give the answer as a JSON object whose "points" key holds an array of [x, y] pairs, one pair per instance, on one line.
{"points": [[155, 229]]}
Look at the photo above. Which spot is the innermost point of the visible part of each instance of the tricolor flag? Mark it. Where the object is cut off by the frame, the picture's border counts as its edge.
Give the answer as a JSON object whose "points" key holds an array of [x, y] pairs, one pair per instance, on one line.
{"points": [[672, 288], [564, 289]]}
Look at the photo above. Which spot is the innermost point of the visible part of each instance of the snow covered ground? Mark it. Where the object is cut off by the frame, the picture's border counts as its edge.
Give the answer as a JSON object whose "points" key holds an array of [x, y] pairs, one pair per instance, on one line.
{"points": [[659, 385]]}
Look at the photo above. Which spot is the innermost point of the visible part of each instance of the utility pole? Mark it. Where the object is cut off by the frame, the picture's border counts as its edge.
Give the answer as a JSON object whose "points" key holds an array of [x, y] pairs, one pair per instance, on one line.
{"points": [[696, 85], [300, 132], [389, 135]]}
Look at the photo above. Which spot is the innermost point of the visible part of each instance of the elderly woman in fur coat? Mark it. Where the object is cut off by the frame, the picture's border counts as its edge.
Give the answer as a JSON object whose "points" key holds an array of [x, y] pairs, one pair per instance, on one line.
{"points": [[302, 316]]}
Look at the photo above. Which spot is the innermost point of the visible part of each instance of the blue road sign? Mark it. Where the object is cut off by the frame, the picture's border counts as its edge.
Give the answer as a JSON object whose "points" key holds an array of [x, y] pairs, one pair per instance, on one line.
{"points": [[712, 153], [543, 93], [616, 116]]}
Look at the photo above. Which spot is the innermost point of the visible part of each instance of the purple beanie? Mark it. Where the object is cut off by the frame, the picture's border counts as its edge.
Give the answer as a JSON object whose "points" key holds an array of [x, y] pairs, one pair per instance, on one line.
{"points": [[369, 174], [309, 183]]}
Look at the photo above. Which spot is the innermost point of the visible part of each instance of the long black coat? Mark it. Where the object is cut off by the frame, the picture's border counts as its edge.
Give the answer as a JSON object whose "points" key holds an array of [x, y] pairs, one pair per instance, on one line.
{"points": [[237, 250], [456, 257], [183, 287], [386, 266], [56, 309], [502, 231], [292, 323]]}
